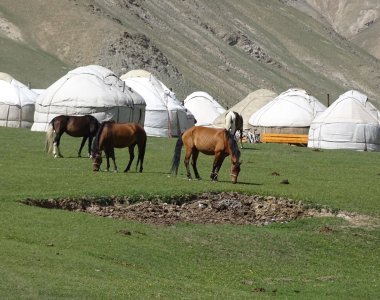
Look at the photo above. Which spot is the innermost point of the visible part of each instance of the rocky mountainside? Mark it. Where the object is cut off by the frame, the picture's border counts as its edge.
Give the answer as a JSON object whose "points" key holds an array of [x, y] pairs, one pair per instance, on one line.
{"points": [[226, 48], [358, 21]]}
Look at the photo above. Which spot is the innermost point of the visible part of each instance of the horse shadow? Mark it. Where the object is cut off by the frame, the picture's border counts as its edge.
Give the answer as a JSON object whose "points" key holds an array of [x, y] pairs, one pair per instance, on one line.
{"points": [[241, 182], [250, 149]]}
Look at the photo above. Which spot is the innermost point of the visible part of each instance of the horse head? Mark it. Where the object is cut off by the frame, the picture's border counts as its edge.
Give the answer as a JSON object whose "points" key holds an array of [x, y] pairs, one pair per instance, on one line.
{"points": [[96, 161]]}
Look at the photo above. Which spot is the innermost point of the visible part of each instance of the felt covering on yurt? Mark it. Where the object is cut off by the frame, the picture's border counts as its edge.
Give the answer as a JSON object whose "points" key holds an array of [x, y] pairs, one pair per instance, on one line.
{"points": [[16, 103], [164, 114], [248, 106], [291, 112], [93, 90], [351, 122], [204, 108]]}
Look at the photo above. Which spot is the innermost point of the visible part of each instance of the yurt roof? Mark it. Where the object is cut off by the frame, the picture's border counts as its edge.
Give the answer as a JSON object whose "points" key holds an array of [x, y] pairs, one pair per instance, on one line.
{"points": [[13, 92], [249, 105], [204, 107], [87, 86], [292, 108], [350, 107], [156, 95], [135, 73]]}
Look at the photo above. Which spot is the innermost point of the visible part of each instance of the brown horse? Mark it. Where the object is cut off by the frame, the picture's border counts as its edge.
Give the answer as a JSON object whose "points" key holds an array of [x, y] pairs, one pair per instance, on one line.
{"points": [[234, 123], [210, 141], [76, 126], [118, 135]]}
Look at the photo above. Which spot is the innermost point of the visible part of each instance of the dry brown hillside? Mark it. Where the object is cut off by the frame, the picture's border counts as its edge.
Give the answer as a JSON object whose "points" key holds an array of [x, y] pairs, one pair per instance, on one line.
{"points": [[358, 21], [227, 48]]}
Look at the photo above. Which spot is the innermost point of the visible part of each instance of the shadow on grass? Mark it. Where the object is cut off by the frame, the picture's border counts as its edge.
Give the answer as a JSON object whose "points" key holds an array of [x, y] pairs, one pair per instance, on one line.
{"points": [[254, 149], [240, 182]]}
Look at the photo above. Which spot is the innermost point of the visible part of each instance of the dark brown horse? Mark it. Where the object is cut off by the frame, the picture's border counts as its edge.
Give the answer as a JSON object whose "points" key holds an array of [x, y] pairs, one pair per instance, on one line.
{"points": [[210, 141], [76, 126], [118, 135], [234, 123]]}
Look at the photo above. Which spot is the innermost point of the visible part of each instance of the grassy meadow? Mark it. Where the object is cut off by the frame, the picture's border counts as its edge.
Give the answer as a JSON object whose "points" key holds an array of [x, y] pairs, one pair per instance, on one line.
{"points": [[50, 254]]}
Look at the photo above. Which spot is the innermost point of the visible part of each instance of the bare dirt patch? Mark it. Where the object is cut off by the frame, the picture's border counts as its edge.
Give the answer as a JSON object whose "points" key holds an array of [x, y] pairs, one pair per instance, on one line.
{"points": [[207, 208]]}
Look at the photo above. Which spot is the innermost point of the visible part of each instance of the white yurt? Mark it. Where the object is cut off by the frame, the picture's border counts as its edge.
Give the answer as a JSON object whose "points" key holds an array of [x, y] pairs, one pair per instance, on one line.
{"points": [[204, 108], [291, 112], [87, 90], [38, 91], [248, 106], [164, 114], [351, 122], [16, 103]]}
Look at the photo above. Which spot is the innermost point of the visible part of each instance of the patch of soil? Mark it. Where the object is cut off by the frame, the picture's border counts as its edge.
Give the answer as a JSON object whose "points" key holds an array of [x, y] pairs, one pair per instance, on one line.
{"points": [[207, 208]]}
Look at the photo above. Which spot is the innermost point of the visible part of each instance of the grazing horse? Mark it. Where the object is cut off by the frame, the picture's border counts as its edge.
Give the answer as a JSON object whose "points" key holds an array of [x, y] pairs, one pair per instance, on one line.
{"points": [[118, 135], [210, 141], [234, 123], [76, 126]]}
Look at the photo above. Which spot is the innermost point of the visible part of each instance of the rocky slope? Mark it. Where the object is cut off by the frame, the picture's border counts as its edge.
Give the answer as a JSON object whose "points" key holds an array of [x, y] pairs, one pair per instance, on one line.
{"points": [[227, 48], [358, 21]]}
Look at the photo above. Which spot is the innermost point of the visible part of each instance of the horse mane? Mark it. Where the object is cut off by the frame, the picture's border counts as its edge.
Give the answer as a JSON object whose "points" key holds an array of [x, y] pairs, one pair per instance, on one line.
{"points": [[233, 144], [95, 145], [94, 124]]}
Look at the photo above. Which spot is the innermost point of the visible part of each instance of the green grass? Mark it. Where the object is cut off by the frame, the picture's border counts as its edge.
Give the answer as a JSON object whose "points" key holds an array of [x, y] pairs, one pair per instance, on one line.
{"points": [[33, 66], [48, 254]]}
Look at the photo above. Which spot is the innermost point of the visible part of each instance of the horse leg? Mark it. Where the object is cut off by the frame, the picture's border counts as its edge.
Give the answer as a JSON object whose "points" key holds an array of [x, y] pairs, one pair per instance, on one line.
{"points": [[194, 164], [214, 175], [241, 138], [108, 153], [186, 161], [57, 140], [131, 157], [218, 161], [81, 145], [89, 146], [108, 159], [112, 155]]}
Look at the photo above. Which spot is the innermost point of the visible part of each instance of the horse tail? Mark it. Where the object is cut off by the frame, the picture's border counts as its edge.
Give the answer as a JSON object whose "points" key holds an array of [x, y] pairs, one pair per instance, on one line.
{"points": [[239, 122], [94, 125], [50, 134], [142, 148], [177, 155], [233, 144]]}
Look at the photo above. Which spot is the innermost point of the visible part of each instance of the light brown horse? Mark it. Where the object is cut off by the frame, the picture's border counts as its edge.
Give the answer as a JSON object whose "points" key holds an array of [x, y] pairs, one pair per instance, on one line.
{"points": [[234, 123], [113, 135], [75, 126], [210, 141]]}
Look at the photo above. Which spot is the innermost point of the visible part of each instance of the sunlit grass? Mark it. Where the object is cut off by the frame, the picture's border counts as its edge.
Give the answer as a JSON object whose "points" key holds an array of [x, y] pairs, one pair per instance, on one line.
{"points": [[49, 254]]}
